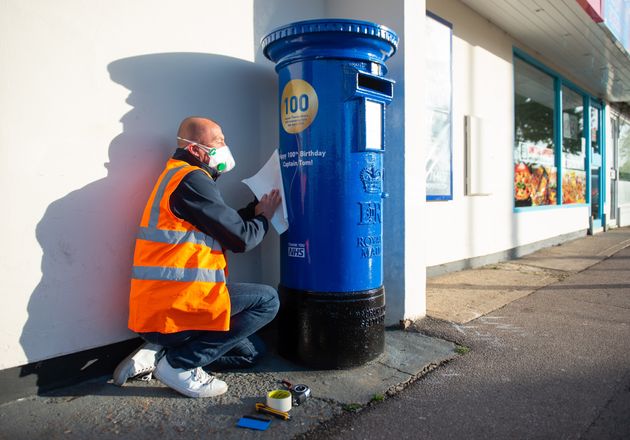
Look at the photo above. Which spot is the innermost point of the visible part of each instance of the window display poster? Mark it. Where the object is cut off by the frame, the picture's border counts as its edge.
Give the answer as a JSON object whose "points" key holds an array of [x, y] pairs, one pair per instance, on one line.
{"points": [[534, 184], [573, 186]]}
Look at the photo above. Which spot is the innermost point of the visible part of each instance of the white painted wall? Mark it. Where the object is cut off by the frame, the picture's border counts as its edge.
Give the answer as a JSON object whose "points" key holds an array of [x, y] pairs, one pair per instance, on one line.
{"points": [[403, 224], [472, 226], [268, 15], [91, 95]]}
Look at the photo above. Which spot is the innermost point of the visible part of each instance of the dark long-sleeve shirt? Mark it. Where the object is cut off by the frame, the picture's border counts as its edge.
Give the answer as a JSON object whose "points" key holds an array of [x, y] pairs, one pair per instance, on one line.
{"points": [[198, 201]]}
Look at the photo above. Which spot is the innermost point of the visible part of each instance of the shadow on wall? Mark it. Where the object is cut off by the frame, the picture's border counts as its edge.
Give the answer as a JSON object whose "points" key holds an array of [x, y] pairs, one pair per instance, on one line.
{"points": [[87, 236]]}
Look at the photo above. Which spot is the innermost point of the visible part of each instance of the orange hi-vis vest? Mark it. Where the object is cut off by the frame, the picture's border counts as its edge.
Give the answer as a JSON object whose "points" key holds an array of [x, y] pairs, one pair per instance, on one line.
{"points": [[179, 273]]}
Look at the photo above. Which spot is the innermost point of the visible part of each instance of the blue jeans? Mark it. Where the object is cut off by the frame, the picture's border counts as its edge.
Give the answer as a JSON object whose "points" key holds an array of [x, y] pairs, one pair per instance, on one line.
{"points": [[252, 307]]}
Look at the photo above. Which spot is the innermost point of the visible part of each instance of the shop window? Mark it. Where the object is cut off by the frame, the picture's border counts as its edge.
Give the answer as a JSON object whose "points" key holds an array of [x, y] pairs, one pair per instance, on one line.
{"points": [[439, 173], [573, 148], [535, 173], [624, 150], [551, 119]]}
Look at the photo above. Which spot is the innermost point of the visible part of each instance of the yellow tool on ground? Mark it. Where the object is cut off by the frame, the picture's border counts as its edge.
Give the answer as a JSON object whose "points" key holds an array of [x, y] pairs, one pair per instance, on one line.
{"points": [[261, 407]]}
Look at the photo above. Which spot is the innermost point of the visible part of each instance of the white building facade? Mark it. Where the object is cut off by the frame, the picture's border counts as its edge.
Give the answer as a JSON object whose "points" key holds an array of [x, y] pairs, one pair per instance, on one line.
{"points": [[91, 98]]}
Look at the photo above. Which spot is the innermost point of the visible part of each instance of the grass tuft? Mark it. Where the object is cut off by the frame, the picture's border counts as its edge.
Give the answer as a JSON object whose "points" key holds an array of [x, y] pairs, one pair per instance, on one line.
{"points": [[377, 398], [460, 349], [352, 407]]}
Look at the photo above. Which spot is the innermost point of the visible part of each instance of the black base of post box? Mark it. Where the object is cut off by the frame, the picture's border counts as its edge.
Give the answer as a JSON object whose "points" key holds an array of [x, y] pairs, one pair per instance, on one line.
{"points": [[331, 330]]}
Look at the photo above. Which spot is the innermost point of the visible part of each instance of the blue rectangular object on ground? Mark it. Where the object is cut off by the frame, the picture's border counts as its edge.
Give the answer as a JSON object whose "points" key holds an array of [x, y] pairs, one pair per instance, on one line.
{"points": [[257, 423]]}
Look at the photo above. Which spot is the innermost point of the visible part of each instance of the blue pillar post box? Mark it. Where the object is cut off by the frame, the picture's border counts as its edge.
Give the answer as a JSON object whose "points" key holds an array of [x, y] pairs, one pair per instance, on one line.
{"points": [[333, 95]]}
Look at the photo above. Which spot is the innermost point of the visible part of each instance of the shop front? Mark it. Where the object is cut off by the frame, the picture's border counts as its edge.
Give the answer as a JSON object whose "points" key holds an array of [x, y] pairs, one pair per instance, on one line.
{"points": [[558, 142]]}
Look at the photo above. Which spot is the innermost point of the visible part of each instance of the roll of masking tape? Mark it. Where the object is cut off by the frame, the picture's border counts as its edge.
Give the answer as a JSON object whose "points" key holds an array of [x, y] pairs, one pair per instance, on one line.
{"points": [[279, 399]]}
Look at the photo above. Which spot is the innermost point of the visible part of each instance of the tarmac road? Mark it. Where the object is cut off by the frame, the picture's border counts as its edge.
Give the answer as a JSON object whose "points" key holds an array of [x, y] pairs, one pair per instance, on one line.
{"points": [[552, 365]]}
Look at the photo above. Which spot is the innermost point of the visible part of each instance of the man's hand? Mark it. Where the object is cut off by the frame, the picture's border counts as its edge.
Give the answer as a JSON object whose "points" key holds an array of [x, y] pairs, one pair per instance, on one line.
{"points": [[268, 204]]}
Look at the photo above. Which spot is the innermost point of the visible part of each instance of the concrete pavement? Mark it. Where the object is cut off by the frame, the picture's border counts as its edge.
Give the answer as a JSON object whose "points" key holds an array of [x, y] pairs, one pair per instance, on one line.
{"points": [[148, 410], [549, 338], [466, 295]]}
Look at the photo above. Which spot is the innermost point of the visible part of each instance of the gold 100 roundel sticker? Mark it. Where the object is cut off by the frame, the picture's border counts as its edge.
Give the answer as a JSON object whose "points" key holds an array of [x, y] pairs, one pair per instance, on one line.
{"points": [[298, 106]]}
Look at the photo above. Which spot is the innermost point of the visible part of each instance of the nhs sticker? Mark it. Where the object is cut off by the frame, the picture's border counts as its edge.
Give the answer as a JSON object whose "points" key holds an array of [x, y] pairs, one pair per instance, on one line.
{"points": [[296, 250]]}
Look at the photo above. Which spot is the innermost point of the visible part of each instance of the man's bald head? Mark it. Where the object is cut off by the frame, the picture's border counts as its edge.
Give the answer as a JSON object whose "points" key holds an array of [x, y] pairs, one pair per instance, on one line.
{"points": [[201, 130]]}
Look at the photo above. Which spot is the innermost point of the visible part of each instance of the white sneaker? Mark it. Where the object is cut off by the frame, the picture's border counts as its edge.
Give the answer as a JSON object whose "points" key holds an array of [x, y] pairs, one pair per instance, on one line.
{"points": [[191, 383], [139, 363]]}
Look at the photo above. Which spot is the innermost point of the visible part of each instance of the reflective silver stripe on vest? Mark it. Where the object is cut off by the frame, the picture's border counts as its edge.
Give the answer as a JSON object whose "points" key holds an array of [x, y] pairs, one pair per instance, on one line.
{"points": [[155, 208], [177, 274], [175, 237]]}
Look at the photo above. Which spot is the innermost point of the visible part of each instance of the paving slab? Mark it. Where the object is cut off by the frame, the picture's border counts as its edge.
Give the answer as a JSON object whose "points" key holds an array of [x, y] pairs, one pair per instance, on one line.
{"points": [[578, 255], [461, 297], [149, 410], [407, 354]]}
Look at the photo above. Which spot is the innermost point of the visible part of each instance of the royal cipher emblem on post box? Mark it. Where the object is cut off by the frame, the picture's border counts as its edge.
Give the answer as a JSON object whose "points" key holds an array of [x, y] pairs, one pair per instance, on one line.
{"points": [[371, 177]]}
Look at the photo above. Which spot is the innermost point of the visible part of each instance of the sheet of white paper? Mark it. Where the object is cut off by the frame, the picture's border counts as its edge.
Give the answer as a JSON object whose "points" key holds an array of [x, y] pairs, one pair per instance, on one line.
{"points": [[263, 182]]}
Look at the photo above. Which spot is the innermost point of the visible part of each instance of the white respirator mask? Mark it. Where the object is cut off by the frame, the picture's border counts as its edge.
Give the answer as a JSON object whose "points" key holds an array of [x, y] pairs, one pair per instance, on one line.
{"points": [[220, 159]]}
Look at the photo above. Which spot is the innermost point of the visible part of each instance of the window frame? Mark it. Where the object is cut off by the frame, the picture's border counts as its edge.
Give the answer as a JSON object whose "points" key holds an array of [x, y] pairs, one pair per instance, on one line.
{"points": [[589, 101], [449, 196]]}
